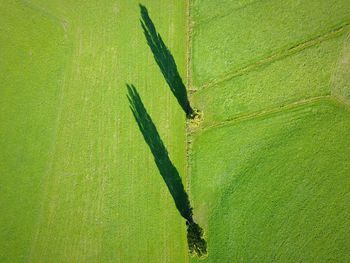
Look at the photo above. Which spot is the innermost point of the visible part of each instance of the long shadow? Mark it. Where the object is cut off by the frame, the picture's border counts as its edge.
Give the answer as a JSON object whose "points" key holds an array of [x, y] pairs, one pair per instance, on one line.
{"points": [[166, 62], [168, 171]]}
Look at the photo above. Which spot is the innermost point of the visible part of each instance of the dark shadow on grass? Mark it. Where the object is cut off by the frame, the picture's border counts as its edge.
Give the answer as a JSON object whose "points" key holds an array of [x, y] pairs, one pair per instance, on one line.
{"points": [[166, 62], [168, 171]]}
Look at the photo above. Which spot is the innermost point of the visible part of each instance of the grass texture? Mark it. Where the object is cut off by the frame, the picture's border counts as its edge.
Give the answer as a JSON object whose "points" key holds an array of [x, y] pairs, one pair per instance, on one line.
{"points": [[269, 164], [300, 76], [258, 30], [78, 183], [277, 188]]}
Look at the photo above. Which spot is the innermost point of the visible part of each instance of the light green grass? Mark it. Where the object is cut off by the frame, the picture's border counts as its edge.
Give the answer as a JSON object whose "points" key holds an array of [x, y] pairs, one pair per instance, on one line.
{"points": [[78, 183], [277, 188], [340, 81], [31, 65], [303, 75], [258, 30], [204, 11]]}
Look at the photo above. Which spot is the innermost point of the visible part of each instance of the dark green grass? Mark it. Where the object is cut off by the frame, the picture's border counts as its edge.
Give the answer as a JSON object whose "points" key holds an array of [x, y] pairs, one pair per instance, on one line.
{"points": [[303, 75], [277, 188], [271, 183], [258, 30]]}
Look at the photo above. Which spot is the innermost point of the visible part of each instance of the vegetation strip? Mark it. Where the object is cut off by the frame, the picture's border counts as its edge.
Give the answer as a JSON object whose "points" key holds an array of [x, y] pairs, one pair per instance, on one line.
{"points": [[163, 57], [266, 112]]}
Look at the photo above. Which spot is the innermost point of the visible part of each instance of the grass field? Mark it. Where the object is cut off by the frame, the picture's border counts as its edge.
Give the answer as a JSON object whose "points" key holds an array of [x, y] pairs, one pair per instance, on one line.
{"points": [[300, 76], [267, 167], [257, 30], [277, 188], [269, 164], [78, 183]]}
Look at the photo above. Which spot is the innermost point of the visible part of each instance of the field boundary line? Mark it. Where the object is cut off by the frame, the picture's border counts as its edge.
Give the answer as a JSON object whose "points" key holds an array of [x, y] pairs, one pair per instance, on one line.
{"points": [[52, 150], [229, 12], [267, 112], [43, 12], [189, 28], [278, 56], [189, 32], [189, 87]]}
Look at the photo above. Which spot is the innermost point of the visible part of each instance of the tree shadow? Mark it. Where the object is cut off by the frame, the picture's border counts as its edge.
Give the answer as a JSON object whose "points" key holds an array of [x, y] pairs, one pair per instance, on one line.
{"points": [[166, 62], [168, 171]]}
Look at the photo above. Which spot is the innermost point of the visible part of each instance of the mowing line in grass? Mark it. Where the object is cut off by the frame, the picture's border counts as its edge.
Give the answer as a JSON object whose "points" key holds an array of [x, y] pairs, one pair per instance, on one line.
{"points": [[301, 76], [259, 31], [278, 56]]}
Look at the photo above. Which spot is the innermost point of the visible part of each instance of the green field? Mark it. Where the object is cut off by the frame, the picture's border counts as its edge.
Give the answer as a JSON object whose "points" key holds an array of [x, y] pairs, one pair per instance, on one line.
{"points": [[266, 169], [78, 183], [278, 188], [270, 162], [253, 31], [301, 76]]}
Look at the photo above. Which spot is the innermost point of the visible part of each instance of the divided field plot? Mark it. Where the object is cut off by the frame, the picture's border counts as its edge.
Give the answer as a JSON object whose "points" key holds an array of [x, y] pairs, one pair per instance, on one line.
{"points": [[78, 183], [270, 163], [302, 76]]}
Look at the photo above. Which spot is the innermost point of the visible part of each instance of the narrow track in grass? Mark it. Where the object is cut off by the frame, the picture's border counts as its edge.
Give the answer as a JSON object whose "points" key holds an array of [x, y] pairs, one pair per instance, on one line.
{"points": [[277, 56]]}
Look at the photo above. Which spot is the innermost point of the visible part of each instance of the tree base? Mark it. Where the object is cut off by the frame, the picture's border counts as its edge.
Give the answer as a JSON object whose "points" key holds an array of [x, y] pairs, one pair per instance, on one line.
{"points": [[196, 243]]}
